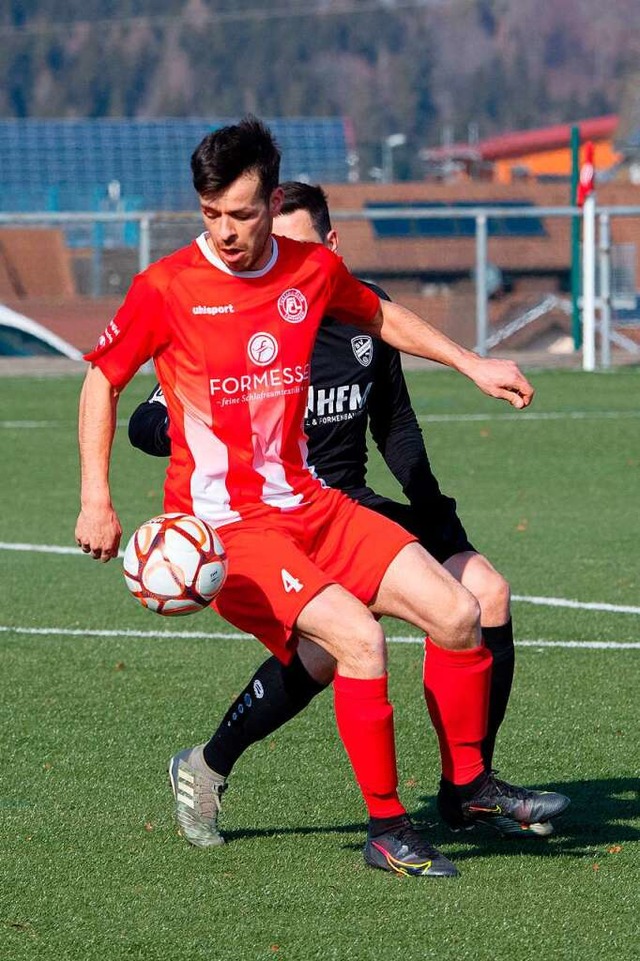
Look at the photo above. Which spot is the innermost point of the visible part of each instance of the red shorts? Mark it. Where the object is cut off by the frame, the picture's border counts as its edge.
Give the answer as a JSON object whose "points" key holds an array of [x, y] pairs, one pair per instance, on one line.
{"points": [[279, 562]]}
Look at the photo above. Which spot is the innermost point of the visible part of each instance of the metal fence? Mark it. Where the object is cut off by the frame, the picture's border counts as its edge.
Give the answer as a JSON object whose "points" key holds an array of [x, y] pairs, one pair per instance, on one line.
{"points": [[127, 242]]}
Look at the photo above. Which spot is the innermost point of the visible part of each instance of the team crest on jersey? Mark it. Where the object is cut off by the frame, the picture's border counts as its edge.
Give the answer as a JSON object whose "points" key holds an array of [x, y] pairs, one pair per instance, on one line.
{"points": [[292, 305], [262, 349], [362, 347]]}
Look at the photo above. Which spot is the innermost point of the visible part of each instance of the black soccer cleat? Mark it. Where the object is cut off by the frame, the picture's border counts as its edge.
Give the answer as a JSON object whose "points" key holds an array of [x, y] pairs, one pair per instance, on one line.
{"points": [[404, 852], [507, 808]]}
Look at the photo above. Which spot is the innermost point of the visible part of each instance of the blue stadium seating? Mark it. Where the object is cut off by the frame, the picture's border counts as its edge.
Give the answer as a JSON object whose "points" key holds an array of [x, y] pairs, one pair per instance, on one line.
{"points": [[67, 164]]}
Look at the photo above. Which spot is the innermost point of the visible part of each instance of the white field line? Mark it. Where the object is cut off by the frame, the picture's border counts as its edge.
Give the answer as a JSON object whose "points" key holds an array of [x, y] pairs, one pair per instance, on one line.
{"points": [[577, 605], [39, 548], [424, 418], [521, 598], [224, 636], [47, 424], [31, 424], [530, 415]]}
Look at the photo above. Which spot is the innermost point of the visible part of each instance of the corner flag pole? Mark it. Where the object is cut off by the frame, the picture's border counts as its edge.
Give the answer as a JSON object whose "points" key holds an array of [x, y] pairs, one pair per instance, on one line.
{"points": [[576, 330], [586, 199]]}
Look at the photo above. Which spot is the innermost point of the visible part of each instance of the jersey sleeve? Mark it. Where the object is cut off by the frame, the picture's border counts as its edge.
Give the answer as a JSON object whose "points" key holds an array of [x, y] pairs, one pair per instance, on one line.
{"points": [[352, 302], [395, 429], [149, 425], [136, 333]]}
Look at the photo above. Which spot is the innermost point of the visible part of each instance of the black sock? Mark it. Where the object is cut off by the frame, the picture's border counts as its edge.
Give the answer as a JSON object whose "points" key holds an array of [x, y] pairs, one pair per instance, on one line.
{"points": [[274, 695], [378, 826], [464, 792], [499, 640]]}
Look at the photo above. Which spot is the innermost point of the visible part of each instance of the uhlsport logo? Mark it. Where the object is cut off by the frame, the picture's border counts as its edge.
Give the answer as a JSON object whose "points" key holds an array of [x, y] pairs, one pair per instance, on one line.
{"points": [[262, 349], [292, 305], [362, 347], [218, 309]]}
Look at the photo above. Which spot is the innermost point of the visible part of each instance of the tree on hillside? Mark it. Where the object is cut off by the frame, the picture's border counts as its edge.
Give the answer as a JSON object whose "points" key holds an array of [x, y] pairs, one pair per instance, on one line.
{"points": [[398, 68]]}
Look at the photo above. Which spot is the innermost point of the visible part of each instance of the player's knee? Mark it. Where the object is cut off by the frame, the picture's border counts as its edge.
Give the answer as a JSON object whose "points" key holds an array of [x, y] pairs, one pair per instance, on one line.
{"points": [[501, 591], [459, 623], [494, 595], [362, 649], [468, 611]]}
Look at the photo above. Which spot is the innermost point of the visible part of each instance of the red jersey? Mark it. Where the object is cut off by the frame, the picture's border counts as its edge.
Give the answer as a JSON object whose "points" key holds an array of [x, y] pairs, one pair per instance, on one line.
{"points": [[232, 353]]}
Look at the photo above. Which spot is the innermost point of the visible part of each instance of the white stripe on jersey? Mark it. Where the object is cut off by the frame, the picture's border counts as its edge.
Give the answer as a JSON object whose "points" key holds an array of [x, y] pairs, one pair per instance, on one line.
{"points": [[267, 418], [304, 453], [209, 493]]}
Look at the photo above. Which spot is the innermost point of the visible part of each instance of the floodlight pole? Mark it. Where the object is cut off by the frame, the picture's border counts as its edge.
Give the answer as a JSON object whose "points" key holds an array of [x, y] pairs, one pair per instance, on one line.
{"points": [[389, 144]]}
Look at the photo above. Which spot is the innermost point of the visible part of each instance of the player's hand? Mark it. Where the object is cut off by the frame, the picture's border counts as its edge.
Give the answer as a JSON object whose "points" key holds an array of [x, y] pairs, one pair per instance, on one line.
{"points": [[98, 533], [503, 379]]}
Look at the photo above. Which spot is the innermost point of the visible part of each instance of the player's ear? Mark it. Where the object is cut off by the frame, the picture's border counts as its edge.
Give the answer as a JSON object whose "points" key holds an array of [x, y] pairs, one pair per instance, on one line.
{"points": [[331, 240], [276, 201]]}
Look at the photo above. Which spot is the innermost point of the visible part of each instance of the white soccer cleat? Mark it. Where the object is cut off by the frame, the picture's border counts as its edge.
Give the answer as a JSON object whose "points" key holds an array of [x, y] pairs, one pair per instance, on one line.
{"points": [[197, 791]]}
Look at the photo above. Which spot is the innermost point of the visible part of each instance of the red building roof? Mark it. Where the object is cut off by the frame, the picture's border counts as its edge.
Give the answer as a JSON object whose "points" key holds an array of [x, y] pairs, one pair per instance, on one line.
{"points": [[527, 141]]}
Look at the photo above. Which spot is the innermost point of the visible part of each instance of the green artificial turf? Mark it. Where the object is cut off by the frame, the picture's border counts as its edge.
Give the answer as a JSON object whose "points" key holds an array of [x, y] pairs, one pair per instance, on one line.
{"points": [[91, 866]]}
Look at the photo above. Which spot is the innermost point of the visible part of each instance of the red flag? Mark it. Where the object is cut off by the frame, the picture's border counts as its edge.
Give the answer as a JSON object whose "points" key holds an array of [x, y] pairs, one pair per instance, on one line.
{"points": [[587, 175]]}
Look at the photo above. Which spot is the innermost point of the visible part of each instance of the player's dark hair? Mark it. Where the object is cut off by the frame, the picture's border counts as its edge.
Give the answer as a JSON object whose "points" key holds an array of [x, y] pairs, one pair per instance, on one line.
{"points": [[228, 153], [309, 197]]}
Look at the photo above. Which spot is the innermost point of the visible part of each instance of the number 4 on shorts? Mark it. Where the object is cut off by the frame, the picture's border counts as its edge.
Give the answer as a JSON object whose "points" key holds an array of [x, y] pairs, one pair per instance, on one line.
{"points": [[290, 583]]}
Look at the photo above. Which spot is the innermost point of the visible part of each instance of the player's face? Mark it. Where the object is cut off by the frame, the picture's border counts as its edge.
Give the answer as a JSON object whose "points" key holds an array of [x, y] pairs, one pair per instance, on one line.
{"points": [[298, 225], [239, 222]]}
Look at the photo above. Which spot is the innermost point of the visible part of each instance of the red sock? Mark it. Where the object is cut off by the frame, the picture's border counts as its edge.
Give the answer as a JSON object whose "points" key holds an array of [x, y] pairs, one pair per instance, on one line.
{"points": [[456, 687], [365, 722]]}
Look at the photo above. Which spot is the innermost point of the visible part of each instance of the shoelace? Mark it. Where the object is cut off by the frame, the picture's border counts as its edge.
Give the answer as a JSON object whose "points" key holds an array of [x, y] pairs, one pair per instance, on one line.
{"points": [[417, 845], [218, 790], [509, 790]]}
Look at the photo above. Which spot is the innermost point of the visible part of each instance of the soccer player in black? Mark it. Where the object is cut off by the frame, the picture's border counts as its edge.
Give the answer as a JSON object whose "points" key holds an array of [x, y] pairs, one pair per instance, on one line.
{"points": [[357, 380]]}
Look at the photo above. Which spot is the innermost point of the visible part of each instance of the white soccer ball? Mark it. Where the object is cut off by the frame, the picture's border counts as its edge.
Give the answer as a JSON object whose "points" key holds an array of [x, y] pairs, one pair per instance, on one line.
{"points": [[175, 564]]}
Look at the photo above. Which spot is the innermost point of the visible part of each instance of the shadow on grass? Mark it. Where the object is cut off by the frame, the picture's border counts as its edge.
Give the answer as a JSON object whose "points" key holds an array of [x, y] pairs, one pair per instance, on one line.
{"points": [[601, 813]]}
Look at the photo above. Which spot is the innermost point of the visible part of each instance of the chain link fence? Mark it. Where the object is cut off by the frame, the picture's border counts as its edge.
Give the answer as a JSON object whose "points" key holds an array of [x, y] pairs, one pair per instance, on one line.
{"points": [[99, 254]]}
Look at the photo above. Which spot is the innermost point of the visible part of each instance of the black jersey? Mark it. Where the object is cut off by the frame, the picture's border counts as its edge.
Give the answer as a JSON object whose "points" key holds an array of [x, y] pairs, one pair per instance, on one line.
{"points": [[356, 381]]}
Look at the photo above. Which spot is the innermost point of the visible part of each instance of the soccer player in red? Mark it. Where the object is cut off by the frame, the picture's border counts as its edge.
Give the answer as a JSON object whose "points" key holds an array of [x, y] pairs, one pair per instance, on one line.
{"points": [[356, 383], [230, 323]]}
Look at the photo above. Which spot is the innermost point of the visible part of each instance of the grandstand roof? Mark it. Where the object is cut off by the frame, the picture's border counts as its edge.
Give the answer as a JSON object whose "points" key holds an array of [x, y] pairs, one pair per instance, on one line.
{"points": [[68, 164]]}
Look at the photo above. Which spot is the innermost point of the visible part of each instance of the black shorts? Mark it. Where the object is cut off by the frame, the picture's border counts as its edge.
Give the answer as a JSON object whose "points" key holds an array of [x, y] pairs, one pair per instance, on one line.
{"points": [[435, 522]]}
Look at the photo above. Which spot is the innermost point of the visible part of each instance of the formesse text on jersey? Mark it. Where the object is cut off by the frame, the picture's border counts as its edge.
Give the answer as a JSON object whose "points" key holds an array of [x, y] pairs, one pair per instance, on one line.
{"points": [[259, 382]]}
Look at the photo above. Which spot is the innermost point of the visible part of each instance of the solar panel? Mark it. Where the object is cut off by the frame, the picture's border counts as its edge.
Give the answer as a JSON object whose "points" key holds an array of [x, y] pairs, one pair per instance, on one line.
{"points": [[455, 226], [68, 164]]}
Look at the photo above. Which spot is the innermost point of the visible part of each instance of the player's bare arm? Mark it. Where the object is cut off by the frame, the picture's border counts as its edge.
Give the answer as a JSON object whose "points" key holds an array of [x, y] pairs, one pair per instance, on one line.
{"points": [[411, 334], [98, 529]]}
